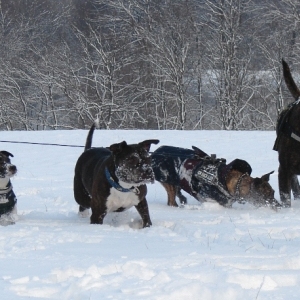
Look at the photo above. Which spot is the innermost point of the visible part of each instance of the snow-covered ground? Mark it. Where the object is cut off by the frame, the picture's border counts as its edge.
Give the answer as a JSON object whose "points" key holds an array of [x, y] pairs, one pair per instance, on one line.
{"points": [[196, 252]]}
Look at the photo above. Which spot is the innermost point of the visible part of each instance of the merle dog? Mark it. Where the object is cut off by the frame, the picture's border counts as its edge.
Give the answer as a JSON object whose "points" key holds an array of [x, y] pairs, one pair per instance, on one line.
{"points": [[288, 143], [8, 198], [206, 177], [113, 179]]}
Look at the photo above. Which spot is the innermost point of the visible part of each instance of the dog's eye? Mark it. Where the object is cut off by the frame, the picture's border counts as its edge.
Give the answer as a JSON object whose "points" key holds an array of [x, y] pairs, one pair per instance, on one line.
{"points": [[133, 160]]}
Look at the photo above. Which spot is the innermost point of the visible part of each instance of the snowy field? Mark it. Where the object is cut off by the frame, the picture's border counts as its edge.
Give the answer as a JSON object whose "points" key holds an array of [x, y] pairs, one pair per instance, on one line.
{"points": [[197, 252]]}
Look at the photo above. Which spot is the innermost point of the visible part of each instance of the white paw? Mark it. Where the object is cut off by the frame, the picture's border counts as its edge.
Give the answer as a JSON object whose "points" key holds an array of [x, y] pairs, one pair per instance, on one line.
{"points": [[7, 219], [84, 214]]}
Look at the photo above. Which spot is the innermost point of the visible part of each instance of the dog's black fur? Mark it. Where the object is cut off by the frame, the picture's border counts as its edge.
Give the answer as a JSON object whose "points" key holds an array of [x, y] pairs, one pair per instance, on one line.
{"points": [[288, 143], [113, 179], [8, 198], [204, 177]]}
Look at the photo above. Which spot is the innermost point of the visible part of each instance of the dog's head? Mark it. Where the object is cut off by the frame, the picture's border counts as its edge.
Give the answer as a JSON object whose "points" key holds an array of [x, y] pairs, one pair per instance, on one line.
{"points": [[133, 162], [6, 168], [262, 193]]}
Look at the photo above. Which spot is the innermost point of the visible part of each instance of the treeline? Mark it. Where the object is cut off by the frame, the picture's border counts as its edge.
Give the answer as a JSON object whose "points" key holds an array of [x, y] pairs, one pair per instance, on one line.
{"points": [[145, 64]]}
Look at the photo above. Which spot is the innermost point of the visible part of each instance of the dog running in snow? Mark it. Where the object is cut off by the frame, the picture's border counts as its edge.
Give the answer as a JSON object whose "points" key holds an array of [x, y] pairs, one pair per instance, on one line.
{"points": [[113, 179]]}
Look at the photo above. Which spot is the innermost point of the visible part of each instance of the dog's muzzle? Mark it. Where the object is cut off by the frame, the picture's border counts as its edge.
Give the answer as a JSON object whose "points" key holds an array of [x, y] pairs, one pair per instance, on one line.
{"points": [[11, 170], [7, 170], [138, 175]]}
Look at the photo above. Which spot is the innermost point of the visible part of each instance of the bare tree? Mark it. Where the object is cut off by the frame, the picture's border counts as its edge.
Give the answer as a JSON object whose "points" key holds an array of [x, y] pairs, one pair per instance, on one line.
{"points": [[229, 57], [278, 38]]}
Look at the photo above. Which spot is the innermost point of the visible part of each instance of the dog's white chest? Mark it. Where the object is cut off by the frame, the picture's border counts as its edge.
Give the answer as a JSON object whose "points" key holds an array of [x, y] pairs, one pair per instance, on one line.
{"points": [[3, 182], [117, 200]]}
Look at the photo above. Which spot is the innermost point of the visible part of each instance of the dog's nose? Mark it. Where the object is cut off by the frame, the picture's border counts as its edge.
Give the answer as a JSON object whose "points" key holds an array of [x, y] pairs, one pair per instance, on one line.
{"points": [[12, 168]]}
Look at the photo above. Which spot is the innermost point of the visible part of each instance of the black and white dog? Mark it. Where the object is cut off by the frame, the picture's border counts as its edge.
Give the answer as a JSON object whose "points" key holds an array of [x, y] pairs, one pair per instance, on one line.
{"points": [[113, 179], [8, 200]]}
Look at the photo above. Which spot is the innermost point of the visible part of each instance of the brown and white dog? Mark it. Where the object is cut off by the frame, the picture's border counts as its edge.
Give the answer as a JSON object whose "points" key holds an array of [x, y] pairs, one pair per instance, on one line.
{"points": [[8, 200], [205, 177], [113, 179]]}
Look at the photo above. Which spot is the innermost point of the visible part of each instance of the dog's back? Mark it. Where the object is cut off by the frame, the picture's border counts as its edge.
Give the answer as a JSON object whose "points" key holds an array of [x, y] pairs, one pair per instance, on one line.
{"points": [[166, 161], [87, 161]]}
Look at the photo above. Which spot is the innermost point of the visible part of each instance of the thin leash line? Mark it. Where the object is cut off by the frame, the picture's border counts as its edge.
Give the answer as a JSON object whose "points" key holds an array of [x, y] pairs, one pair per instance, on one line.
{"points": [[76, 146], [47, 144], [44, 144]]}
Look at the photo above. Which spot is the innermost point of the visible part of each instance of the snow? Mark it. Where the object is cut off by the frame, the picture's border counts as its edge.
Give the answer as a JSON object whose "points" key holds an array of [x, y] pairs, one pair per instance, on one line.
{"points": [[197, 252]]}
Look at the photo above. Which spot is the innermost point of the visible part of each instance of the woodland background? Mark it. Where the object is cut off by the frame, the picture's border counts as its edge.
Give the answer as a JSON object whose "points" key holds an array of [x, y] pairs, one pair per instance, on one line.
{"points": [[146, 64]]}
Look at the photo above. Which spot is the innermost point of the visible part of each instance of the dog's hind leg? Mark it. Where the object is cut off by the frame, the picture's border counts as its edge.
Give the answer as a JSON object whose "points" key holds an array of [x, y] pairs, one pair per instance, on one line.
{"points": [[171, 191], [182, 198], [82, 197], [83, 212], [295, 187], [284, 182]]}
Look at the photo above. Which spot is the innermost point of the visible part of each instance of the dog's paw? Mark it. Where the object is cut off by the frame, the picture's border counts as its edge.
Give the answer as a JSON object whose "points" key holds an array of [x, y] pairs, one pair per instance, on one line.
{"points": [[8, 219], [286, 204], [147, 224], [84, 214]]}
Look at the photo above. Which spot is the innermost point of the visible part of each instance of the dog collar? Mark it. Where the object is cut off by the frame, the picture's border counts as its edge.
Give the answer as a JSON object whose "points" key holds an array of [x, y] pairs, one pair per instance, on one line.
{"points": [[237, 188], [117, 186], [7, 189]]}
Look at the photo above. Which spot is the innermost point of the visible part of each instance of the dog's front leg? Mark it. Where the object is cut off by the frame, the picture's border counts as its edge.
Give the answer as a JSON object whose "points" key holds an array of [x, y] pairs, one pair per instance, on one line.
{"points": [[284, 182], [143, 210], [182, 198], [171, 192], [99, 211]]}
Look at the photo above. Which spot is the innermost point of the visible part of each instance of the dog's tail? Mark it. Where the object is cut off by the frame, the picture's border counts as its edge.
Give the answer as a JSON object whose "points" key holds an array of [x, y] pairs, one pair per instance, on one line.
{"points": [[88, 143], [290, 81]]}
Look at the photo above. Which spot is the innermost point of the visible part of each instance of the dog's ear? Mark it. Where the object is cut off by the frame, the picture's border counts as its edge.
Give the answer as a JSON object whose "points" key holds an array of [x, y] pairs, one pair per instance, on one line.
{"points": [[147, 144], [241, 166], [199, 152], [266, 177], [257, 181], [117, 148], [6, 153]]}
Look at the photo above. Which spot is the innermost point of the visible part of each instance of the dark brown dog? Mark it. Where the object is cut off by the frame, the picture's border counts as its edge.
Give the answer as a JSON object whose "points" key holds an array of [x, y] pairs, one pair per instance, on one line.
{"points": [[113, 179], [205, 177], [288, 143]]}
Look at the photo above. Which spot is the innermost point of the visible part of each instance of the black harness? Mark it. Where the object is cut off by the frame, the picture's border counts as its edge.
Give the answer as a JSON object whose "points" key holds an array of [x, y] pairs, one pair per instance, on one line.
{"points": [[8, 199], [209, 180]]}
